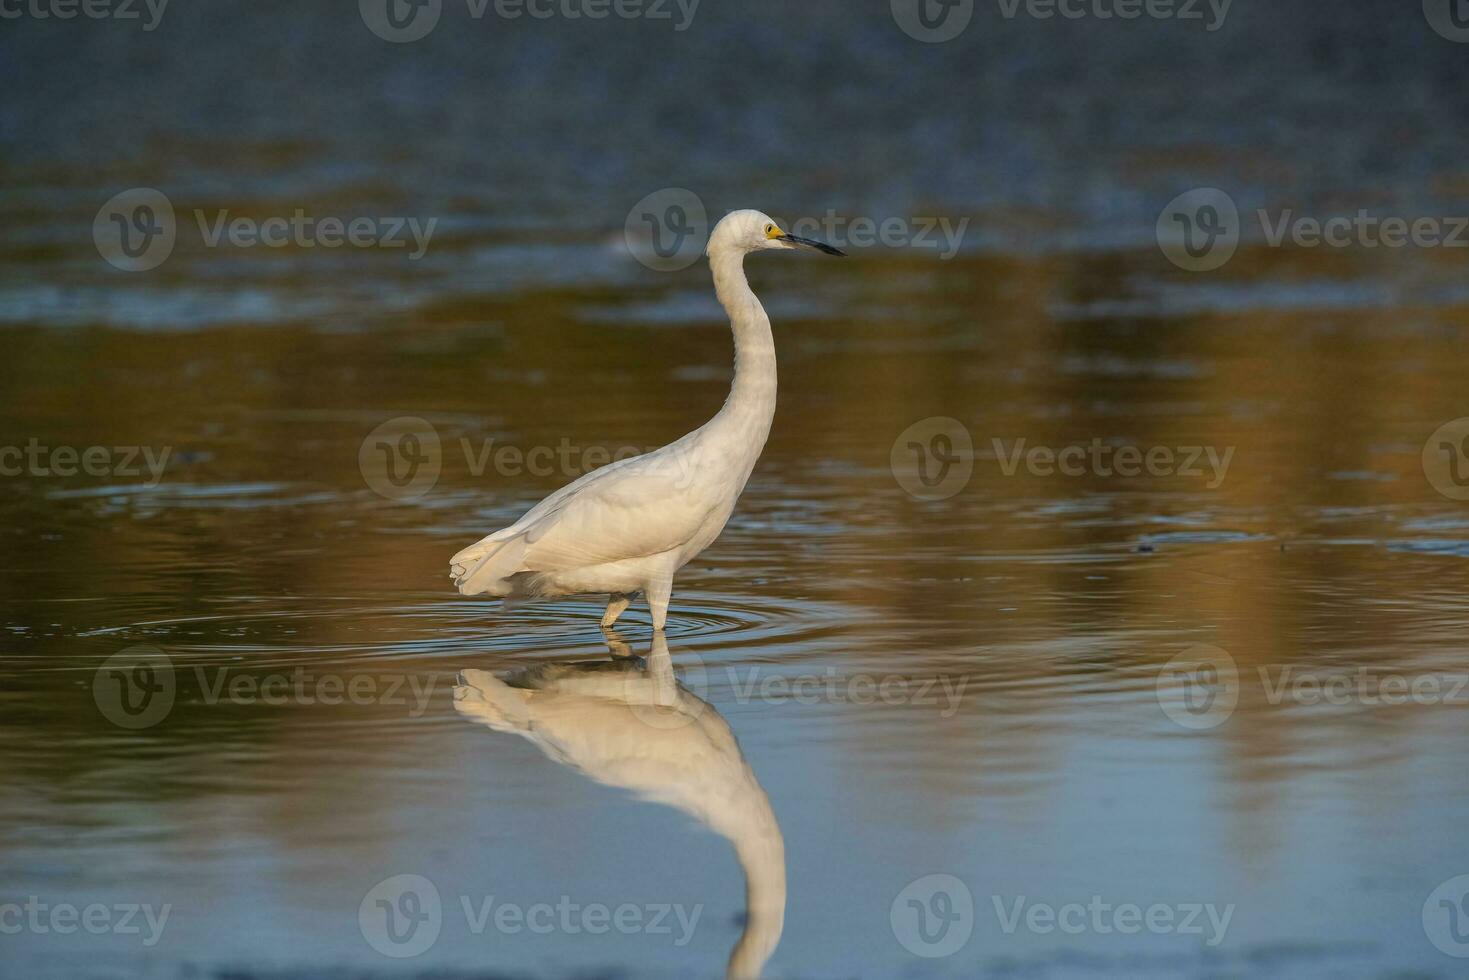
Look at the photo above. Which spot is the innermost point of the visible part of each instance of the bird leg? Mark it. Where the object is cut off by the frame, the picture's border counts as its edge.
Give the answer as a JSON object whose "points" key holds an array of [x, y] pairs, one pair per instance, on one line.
{"points": [[659, 593], [617, 647], [617, 604]]}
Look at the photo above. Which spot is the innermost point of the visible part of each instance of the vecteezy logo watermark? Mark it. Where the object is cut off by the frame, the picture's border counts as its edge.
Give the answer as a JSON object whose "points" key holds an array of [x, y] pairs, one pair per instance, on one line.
{"points": [[34, 459], [91, 9], [401, 458], [1102, 918], [1446, 917], [400, 21], [1200, 229], [933, 458], [932, 21], [1448, 18], [933, 916], [1446, 459], [667, 229], [64, 918], [136, 230], [403, 916], [135, 688], [1199, 688]]}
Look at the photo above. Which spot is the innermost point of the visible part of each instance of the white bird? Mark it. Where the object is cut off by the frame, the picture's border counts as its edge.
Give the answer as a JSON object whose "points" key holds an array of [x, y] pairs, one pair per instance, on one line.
{"points": [[628, 527], [640, 730]]}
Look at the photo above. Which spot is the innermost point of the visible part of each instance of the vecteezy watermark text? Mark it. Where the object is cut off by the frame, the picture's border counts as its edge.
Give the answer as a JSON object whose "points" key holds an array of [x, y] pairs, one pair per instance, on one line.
{"points": [[305, 231], [1102, 918], [35, 459], [123, 10], [1365, 686], [403, 916], [307, 688], [96, 918], [402, 21], [937, 233], [862, 689], [1210, 12], [1102, 459], [936, 21]]}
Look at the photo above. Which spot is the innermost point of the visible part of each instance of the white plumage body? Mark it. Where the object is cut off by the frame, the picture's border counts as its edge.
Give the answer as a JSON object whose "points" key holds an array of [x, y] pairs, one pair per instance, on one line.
{"points": [[630, 526], [618, 527]]}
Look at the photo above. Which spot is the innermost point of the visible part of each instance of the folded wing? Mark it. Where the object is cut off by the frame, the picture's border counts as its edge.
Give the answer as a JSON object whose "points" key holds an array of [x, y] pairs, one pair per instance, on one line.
{"points": [[631, 512]]}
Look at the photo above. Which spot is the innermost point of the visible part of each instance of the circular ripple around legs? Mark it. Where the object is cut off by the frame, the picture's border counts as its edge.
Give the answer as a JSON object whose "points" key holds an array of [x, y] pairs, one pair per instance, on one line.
{"points": [[282, 631]]}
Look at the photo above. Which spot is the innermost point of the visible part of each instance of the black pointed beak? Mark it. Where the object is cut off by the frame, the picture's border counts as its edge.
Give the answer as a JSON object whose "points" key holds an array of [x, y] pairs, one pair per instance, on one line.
{"points": [[810, 243]]}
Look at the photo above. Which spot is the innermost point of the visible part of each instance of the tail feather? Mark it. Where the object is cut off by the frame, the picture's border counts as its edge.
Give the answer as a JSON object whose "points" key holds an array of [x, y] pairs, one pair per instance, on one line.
{"points": [[480, 695], [466, 558], [489, 571]]}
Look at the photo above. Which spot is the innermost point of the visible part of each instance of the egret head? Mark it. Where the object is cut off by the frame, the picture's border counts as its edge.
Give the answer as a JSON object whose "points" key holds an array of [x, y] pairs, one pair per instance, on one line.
{"points": [[750, 231]]}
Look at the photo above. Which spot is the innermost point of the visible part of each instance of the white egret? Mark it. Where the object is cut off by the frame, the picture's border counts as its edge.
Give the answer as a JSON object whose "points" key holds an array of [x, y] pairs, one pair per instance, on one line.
{"points": [[637, 728], [628, 527]]}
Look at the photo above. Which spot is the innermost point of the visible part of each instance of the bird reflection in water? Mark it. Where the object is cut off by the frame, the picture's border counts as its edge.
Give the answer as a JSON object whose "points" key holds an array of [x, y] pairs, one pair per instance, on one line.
{"points": [[628, 722]]}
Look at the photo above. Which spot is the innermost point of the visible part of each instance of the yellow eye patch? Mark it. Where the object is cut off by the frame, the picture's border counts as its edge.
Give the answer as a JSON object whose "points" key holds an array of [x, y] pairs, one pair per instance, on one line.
{"points": [[771, 231]]}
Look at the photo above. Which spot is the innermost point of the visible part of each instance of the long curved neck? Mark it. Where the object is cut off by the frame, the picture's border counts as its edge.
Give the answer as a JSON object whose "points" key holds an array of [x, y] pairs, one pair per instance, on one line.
{"points": [[751, 403]]}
